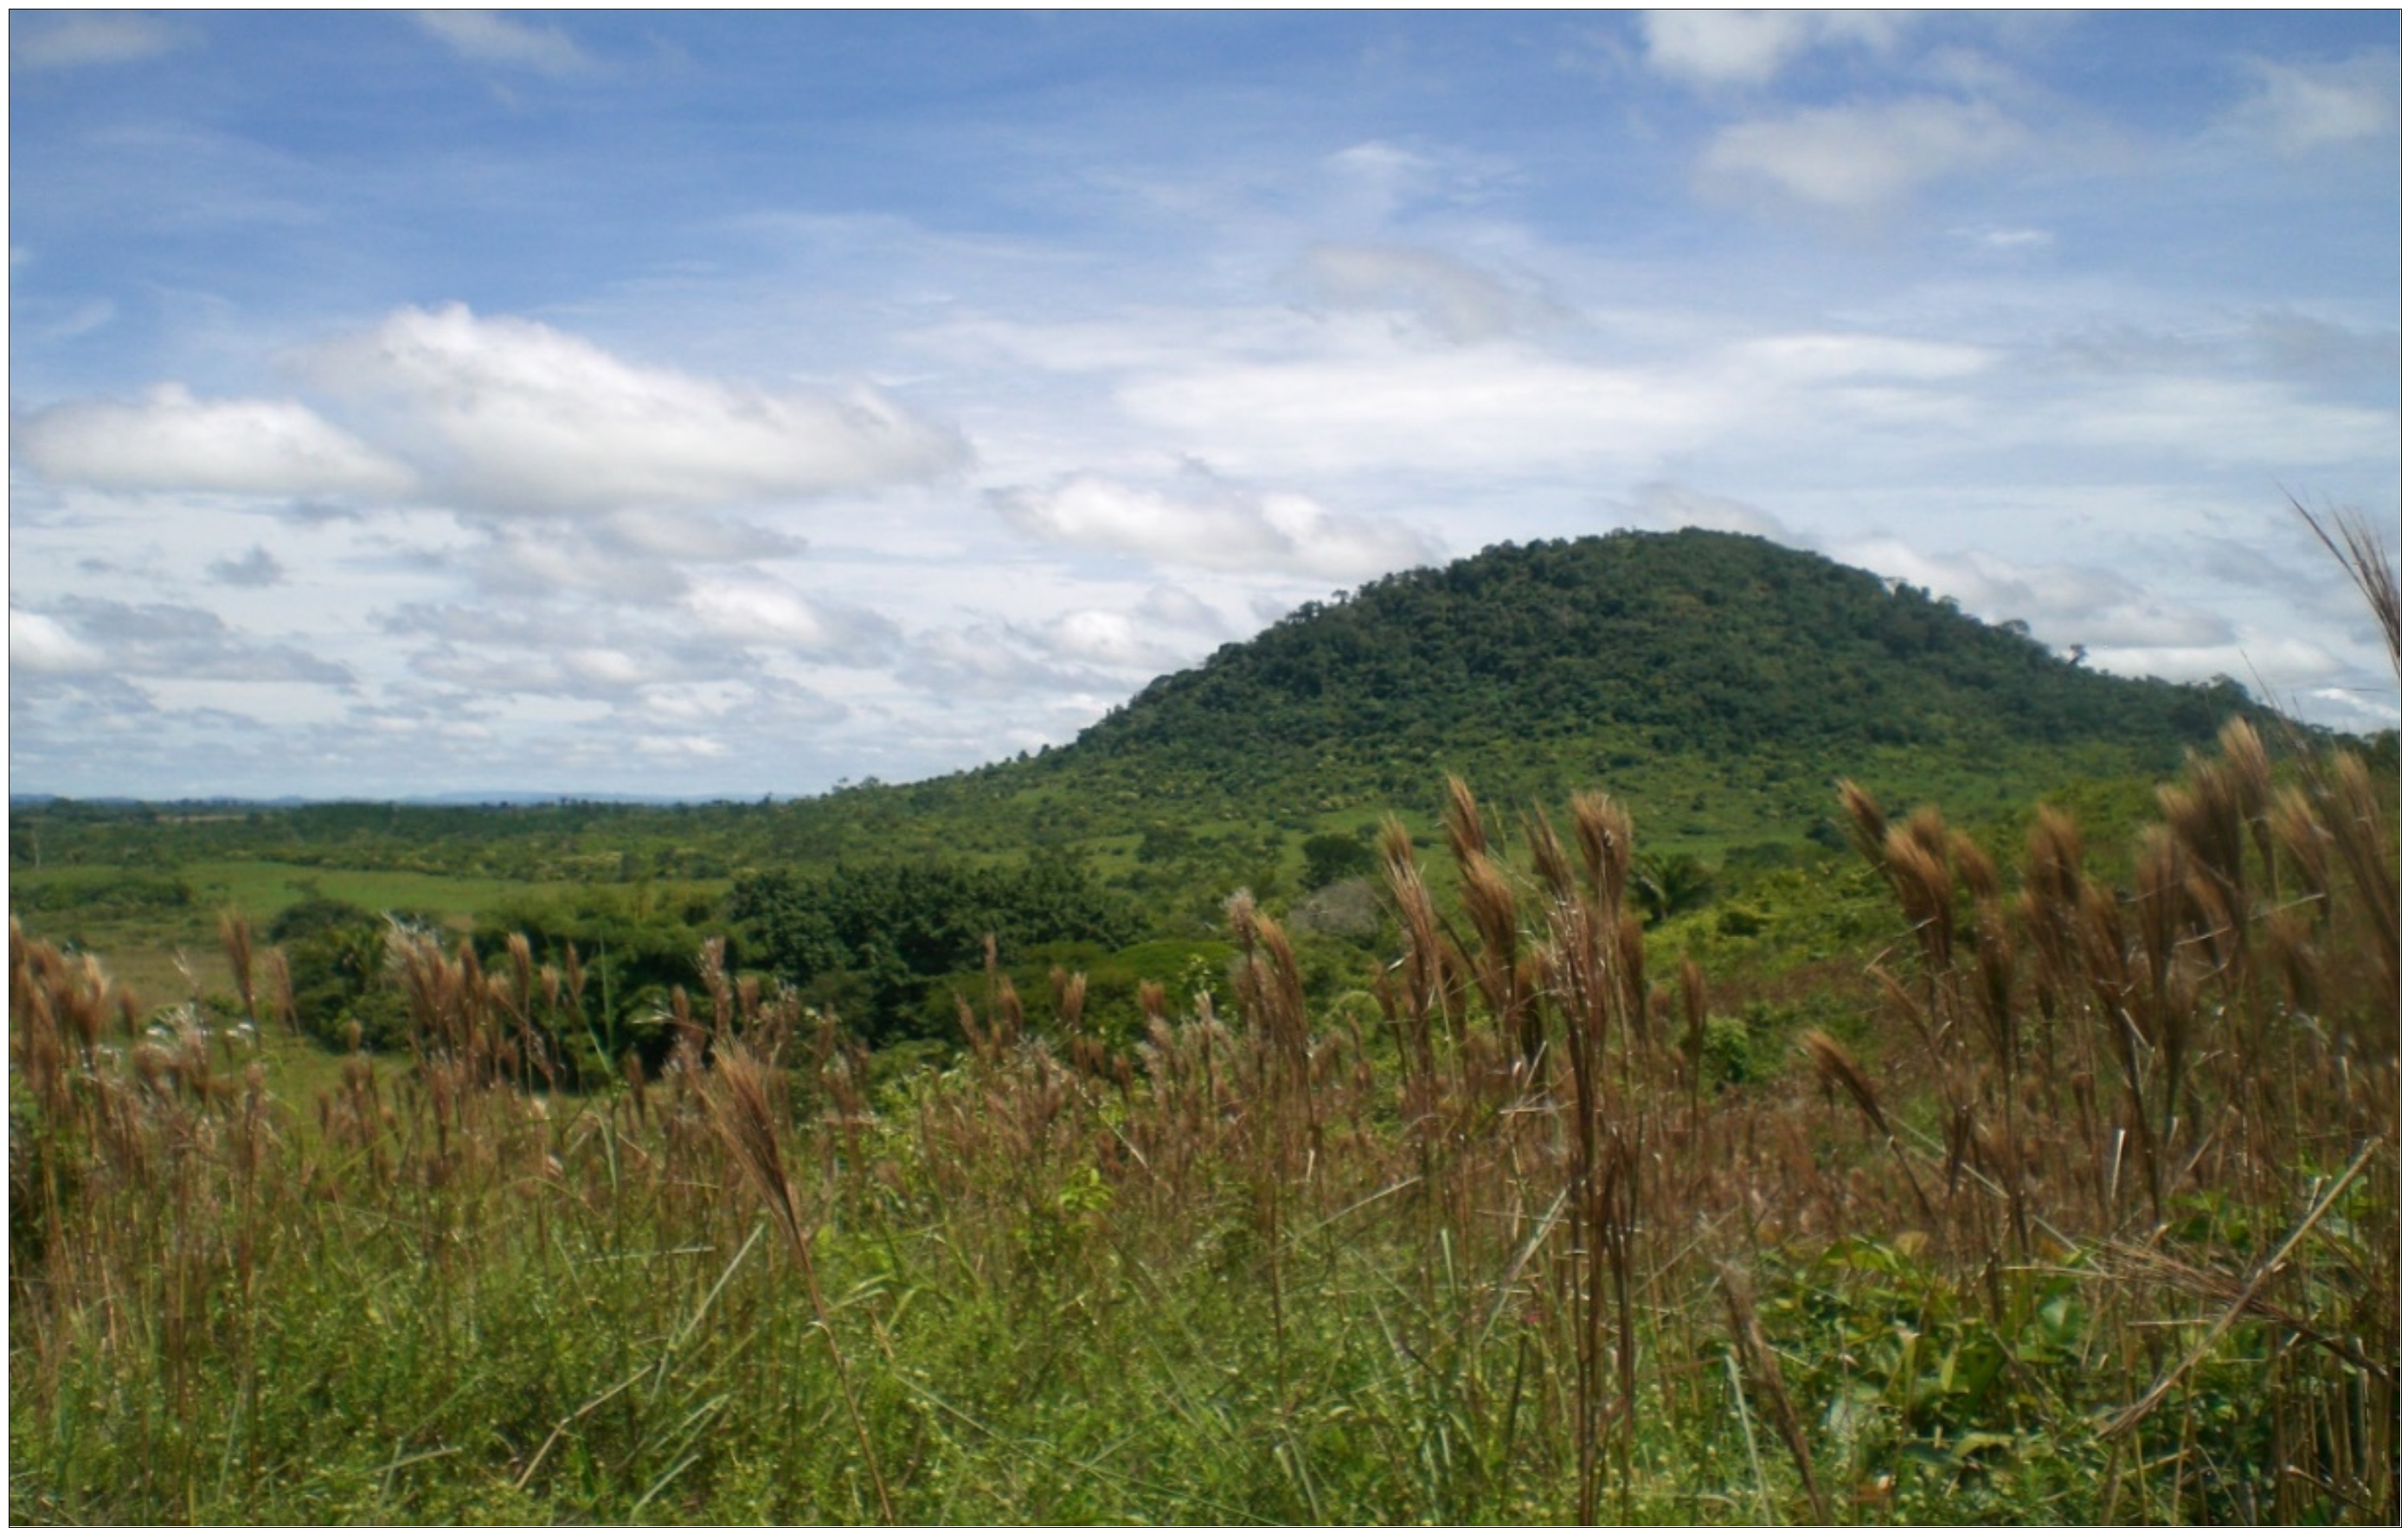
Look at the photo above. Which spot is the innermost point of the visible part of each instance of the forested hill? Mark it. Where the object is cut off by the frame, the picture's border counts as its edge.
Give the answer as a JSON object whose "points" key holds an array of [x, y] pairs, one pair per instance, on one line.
{"points": [[1609, 652], [1716, 683]]}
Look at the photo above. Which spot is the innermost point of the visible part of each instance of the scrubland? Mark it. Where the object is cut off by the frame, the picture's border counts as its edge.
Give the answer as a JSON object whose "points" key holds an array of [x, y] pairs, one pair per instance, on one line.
{"points": [[2081, 1206]]}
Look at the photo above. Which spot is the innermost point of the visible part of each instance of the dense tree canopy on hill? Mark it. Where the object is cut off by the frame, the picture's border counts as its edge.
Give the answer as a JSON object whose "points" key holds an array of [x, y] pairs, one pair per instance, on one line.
{"points": [[1709, 642], [1717, 682]]}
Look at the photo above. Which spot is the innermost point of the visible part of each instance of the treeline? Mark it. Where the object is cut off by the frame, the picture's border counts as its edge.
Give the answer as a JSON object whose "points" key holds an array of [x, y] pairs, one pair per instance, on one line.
{"points": [[1717, 682], [868, 939]]}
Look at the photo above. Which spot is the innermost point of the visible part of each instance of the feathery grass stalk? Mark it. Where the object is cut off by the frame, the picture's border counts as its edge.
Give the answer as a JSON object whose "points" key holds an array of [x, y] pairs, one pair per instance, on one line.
{"points": [[2351, 542], [1747, 1337], [739, 1110]]}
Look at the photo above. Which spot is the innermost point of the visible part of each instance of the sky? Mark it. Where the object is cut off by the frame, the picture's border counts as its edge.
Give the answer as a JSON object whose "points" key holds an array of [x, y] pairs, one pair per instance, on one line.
{"points": [[740, 404]]}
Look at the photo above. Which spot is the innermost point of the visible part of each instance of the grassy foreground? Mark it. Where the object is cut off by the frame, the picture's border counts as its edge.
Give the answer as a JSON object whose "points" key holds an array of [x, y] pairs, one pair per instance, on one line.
{"points": [[2093, 1216]]}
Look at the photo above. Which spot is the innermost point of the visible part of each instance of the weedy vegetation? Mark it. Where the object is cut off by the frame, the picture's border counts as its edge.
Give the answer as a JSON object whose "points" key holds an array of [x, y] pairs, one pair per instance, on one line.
{"points": [[2086, 1209], [1514, 1177]]}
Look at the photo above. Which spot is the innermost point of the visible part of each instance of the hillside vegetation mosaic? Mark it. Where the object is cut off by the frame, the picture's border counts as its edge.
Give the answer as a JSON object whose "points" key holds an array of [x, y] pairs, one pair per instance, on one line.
{"points": [[1494, 1049]]}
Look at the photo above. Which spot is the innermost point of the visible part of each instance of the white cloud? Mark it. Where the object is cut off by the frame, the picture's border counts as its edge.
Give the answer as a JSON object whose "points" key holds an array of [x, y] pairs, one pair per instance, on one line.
{"points": [[2224, 421], [169, 440], [168, 639], [2356, 709], [1106, 638], [1453, 298], [2064, 604], [2277, 660], [1663, 505], [982, 660], [1722, 46], [483, 37], [42, 644], [695, 538], [1811, 357], [1717, 47], [513, 416], [2305, 106], [682, 746], [1860, 158], [1173, 608], [1479, 409], [1208, 520], [759, 610], [1995, 238], [91, 37], [552, 558]]}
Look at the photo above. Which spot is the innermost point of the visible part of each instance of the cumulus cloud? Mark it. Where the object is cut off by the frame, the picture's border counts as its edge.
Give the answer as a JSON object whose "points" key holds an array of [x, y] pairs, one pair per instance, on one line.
{"points": [[588, 671], [42, 644], [580, 650], [482, 36], [1720, 48], [515, 417], [1451, 298], [256, 568], [760, 611], [169, 440], [1083, 658], [548, 557], [91, 37], [1864, 157], [2298, 108], [1211, 521]]}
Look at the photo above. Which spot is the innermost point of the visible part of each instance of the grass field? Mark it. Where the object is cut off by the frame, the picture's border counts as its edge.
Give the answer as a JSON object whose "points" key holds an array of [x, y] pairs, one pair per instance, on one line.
{"points": [[2086, 1211]]}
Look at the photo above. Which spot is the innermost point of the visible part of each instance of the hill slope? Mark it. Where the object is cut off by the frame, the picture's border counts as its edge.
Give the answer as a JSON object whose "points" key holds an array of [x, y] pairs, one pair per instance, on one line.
{"points": [[1691, 657], [1716, 682]]}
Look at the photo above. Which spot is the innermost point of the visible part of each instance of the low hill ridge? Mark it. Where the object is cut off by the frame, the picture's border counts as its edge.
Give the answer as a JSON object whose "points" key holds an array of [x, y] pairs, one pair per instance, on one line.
{"points": [[1606, 653], [1716, 682]]}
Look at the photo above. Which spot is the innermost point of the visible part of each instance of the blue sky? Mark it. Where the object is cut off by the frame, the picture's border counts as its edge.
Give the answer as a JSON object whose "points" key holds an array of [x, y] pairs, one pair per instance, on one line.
{"points": [[740, 403]]}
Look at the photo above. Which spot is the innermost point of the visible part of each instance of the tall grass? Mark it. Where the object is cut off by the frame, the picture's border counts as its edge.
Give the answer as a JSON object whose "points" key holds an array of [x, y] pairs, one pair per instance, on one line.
{"points": [[2089, 1212]]}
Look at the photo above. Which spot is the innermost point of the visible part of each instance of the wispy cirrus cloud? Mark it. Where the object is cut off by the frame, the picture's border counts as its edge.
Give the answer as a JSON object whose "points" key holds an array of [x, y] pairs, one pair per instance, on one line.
{"points": [[1454, 300], [1860, 157], [488, 37], [82, 38], [2302, 106]]}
